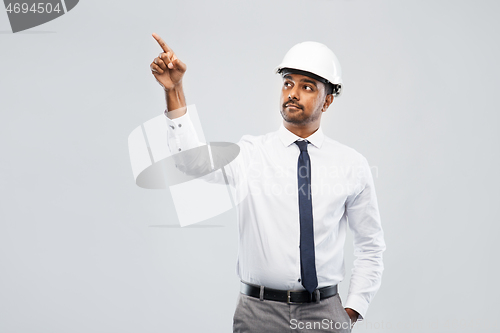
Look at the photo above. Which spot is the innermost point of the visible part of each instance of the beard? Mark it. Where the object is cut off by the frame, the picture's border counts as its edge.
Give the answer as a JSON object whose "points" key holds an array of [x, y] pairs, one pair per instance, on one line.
{"points": [[298, 117]]}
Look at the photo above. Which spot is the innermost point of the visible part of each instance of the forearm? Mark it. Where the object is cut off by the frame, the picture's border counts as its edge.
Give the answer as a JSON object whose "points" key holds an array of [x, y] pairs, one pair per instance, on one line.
{"points": [[176, 102]]}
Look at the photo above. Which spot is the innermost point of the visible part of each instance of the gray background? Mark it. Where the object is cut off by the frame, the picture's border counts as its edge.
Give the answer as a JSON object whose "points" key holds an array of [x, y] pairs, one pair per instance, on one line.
{"points": [[83, 249]]}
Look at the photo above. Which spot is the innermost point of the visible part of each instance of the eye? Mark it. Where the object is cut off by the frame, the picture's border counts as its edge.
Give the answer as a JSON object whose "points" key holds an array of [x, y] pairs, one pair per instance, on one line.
{"points": [[308, 88], [287, 84]]}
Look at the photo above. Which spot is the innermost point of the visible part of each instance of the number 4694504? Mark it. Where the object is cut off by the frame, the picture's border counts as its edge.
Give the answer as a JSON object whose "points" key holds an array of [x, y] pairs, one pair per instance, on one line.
{"points": [[37, 8]]}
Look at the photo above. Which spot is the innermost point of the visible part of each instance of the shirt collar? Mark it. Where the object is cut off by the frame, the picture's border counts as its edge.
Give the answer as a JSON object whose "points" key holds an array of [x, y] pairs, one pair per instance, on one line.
{"points": [[288, 137]]}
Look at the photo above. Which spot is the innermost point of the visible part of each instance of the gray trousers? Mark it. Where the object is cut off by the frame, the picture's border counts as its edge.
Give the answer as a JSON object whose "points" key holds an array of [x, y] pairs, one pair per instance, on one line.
{"points": [[255, 316]]}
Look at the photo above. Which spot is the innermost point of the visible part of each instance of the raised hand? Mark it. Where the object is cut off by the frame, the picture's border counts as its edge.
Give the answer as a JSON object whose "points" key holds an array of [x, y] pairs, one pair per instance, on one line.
{"points": [[167, 68]]}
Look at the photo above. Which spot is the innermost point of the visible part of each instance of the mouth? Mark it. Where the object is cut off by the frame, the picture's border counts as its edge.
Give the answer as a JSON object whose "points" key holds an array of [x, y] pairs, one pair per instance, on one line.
{"points": [[292, 106]]}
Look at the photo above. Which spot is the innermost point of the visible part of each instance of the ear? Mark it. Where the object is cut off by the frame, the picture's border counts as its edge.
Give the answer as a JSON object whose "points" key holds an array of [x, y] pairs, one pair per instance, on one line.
{"points": [[328, 101]]}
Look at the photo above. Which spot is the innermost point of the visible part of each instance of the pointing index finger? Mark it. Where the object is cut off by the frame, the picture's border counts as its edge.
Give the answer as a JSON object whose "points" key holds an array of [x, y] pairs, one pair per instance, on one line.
{"points": [[163, 45]]}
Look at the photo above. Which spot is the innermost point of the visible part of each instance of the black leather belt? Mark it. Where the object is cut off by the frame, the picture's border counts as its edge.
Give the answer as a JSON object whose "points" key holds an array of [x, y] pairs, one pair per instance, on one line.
{"points": [[287, 296]]}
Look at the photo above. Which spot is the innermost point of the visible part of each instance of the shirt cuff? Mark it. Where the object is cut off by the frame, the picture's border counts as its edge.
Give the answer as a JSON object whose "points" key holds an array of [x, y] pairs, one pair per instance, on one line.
{"points": [[179, 124], [358, 304], [176, 113], [181, 133]]}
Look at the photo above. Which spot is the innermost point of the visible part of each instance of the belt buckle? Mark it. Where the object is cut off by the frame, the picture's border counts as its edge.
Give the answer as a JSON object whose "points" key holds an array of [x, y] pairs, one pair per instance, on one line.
{"points": [[288, 298]]}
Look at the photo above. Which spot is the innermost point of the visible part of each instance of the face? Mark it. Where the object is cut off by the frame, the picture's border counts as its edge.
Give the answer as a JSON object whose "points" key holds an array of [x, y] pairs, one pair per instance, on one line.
{"points": [[302, 99]]}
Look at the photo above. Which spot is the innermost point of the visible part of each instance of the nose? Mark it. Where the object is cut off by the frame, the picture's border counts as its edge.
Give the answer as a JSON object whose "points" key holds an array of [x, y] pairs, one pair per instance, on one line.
{"points": [[293, 93]]}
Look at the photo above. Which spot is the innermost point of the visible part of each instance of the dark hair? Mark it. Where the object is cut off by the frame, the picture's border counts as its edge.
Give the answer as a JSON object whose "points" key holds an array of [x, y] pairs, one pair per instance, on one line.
{"points": [[330, 88]]}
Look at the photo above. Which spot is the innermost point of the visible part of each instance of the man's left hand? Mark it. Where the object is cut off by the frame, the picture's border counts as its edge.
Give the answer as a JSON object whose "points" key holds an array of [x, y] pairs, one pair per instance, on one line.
{"points": [[352, 314]]}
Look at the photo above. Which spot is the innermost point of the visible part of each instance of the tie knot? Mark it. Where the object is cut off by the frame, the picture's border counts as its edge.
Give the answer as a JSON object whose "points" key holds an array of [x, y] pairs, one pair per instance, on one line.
{"points": [[302, 144]]}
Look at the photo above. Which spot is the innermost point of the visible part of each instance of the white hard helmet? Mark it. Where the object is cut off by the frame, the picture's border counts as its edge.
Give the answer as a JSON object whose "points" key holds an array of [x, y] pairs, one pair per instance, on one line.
{"points": [[315, 58]]}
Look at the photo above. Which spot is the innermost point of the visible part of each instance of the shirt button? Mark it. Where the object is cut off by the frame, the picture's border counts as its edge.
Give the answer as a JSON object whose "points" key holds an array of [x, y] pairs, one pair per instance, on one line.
{"points": [[180, 125], [180, 149], [172, 127], [299, 280]]}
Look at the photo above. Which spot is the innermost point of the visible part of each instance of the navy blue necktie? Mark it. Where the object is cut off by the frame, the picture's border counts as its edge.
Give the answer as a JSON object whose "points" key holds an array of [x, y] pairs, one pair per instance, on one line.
{"points": [[307, 257]]}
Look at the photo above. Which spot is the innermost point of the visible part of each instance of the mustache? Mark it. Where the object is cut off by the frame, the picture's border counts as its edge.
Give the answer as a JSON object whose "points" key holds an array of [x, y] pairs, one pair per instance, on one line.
{"points": [[289, 103]]}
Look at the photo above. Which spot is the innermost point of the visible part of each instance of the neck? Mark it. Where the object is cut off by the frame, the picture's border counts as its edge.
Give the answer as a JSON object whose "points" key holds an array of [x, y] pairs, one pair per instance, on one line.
{"points": [[302, 131]]}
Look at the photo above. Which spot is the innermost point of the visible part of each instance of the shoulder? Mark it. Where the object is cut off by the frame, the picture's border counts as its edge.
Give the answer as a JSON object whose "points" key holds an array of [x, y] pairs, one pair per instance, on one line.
{"points": [[351, 159], [249, 141], [341, 150]]}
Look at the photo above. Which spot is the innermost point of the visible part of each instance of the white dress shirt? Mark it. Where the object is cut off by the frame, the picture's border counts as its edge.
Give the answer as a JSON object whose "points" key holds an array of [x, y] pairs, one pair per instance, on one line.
{"points": [[264, 177]]}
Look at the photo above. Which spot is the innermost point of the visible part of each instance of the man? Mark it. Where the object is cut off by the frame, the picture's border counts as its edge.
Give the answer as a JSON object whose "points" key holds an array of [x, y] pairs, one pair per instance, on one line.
{"points": [[290, 258]]}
